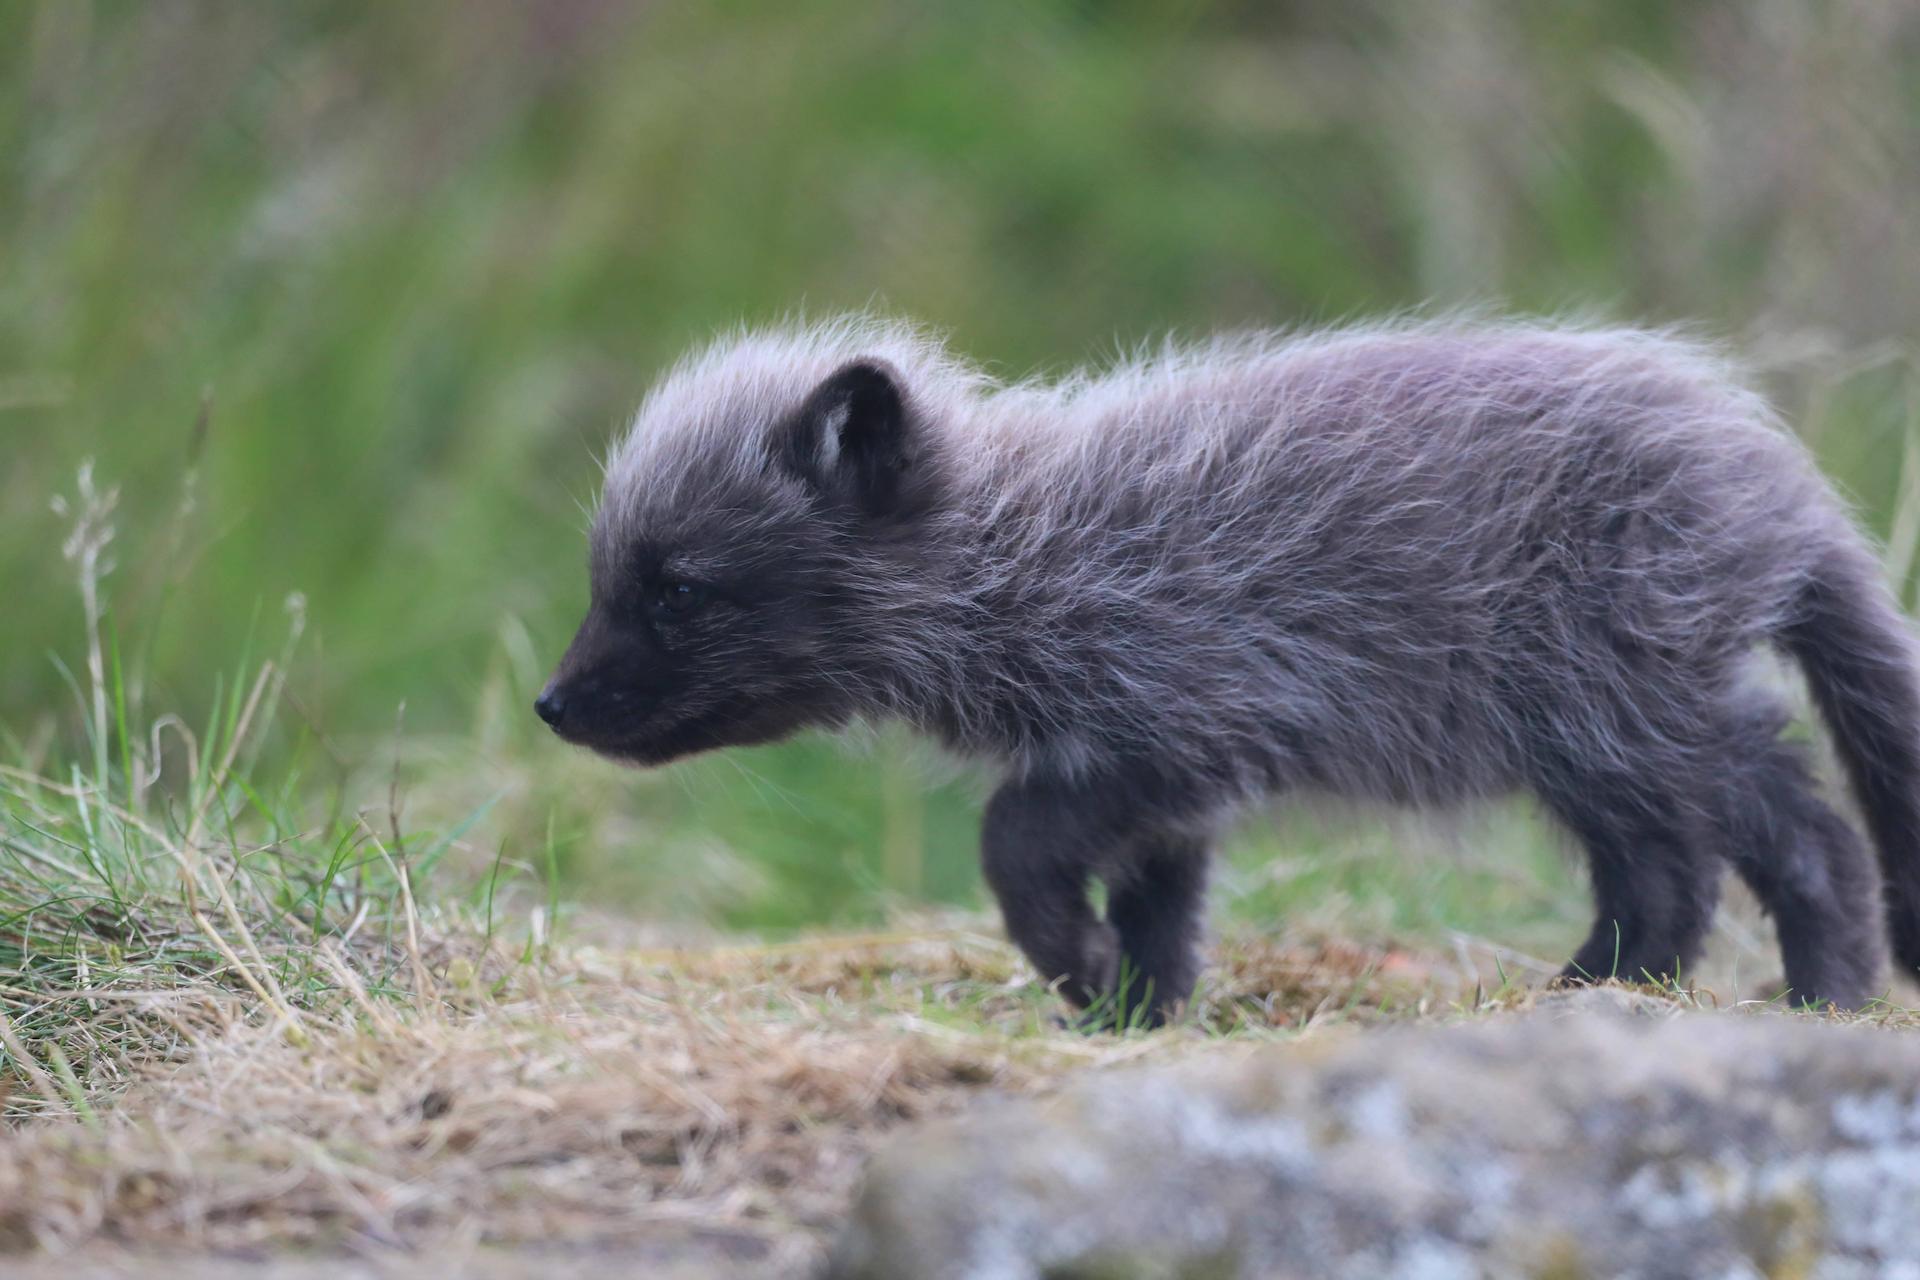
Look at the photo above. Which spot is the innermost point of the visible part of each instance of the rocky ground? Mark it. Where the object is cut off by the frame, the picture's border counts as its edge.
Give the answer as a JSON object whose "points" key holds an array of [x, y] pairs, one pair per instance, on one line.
{"points": [[1597, 1134]]}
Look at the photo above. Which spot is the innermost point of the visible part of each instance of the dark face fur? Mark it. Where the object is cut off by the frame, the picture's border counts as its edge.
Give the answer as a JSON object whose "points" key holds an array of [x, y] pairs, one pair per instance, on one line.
{"points": [[722, 607]]}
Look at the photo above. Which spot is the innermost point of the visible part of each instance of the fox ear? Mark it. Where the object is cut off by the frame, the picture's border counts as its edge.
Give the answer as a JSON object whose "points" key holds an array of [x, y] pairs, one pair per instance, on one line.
{"points": [[850, 439]]}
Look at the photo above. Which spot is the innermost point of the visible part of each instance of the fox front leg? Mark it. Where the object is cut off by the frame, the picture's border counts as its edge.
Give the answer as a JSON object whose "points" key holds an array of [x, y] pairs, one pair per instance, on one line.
{"points": [[1041, 846]]}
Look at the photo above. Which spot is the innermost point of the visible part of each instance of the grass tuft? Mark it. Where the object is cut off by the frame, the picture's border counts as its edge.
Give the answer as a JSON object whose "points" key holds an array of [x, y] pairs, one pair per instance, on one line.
{"points": [[157, 886]]}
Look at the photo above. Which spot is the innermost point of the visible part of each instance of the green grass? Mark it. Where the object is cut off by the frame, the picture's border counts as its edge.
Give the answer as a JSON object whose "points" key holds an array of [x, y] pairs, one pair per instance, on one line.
{"points": [[346, 299], [158, 879]]}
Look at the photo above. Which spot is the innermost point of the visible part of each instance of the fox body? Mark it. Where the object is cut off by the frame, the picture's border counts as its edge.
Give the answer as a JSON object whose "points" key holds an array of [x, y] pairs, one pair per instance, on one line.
{"points": [[1418, 564]]}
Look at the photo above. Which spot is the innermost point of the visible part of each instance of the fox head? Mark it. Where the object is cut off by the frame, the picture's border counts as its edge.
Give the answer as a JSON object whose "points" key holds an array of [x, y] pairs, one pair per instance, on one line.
{"points": [[752, 528]]}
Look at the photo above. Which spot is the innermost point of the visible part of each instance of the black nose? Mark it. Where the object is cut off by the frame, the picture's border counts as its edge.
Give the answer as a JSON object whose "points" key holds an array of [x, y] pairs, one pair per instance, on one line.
{"points": [[550, 706]]}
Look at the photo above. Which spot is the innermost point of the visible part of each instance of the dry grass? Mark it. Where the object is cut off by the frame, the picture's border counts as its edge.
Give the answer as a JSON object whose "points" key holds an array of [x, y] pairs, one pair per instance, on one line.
{"points": [[607, 1097]]}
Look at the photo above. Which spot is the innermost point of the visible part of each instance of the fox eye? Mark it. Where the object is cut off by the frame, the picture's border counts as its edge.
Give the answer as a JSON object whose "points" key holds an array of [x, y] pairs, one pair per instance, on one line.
{"points": [[678, 597]]}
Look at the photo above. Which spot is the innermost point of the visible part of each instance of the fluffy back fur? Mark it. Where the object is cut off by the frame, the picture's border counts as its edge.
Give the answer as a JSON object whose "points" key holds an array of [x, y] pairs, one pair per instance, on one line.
{"points": [[1415, 563]]}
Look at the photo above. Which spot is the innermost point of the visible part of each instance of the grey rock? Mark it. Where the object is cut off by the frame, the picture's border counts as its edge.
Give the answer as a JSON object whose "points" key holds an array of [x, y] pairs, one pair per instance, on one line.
{"points": [[1574, 1145]]}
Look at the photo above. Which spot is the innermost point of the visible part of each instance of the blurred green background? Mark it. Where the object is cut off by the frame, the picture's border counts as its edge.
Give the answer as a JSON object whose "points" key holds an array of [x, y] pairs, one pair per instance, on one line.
{"points": [[346, 299]]}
